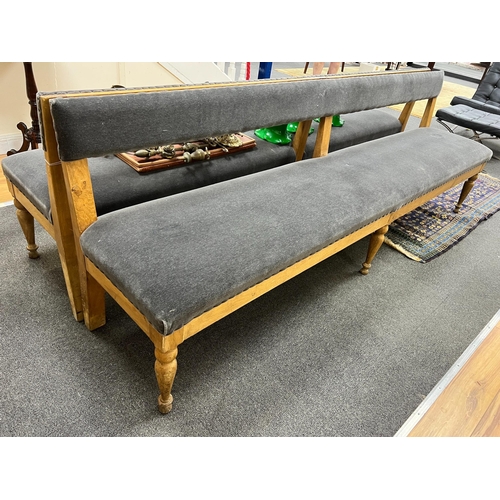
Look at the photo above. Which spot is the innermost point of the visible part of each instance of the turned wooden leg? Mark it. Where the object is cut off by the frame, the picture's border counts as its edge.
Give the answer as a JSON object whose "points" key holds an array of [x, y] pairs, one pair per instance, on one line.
{"points": [[165, 368], [465, 192], [376, 240], [27, 223]]}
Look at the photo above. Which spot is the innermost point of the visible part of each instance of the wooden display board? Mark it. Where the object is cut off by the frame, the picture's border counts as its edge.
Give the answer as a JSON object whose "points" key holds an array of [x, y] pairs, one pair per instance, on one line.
{"points": [[157, 162]]}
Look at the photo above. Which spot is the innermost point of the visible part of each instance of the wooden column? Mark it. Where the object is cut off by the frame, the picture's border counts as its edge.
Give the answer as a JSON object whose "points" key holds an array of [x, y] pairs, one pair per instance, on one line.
{"points": [[31, 136]]}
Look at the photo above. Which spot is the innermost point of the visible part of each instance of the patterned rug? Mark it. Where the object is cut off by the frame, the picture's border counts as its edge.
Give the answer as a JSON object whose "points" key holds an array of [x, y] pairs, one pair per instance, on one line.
{"points": [[432, 229]]}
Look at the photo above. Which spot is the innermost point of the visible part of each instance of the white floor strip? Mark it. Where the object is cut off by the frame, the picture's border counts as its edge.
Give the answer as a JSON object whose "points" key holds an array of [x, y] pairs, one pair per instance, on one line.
{"points": [[6, 203], [415, 417]]}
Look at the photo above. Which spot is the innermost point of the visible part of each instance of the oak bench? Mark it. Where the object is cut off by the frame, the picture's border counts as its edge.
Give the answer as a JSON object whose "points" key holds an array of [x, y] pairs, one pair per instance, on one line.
{"points": [[180, 263], [116, 185]]}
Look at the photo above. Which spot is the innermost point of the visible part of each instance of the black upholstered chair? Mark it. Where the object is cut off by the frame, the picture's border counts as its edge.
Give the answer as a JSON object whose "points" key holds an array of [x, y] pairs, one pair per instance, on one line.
{"points": [[481, 112]]}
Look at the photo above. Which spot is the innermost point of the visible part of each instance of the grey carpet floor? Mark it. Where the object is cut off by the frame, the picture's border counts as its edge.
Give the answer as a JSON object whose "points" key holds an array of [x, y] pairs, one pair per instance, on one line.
{"points": [[330, 353]]}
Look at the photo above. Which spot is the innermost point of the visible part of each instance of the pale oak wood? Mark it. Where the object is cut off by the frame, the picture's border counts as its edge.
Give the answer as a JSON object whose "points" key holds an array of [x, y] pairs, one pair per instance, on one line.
{"points": [[230, 84], [323, 137], [489, 425], [376, 240], [470, 404], [428, 113], [39, 217], [63, 227], [300, 139], [27, 223], [165, 369], [405, 114], [83, 213], [5, 194], [465, 191]]}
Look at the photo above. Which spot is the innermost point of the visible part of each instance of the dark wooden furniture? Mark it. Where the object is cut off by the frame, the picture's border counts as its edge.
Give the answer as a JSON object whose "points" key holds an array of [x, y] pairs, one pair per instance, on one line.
{"points": [[31, 135]]}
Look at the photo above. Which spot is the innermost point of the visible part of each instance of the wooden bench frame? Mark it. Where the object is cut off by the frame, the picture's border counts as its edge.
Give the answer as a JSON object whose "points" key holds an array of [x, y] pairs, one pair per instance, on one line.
{"points": [[71, 181], [166, 346], [60, 229]]}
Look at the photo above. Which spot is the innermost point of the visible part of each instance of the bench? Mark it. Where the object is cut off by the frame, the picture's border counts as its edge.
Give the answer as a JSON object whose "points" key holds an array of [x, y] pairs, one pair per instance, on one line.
{"points": [[117, 186], [180, 263]]}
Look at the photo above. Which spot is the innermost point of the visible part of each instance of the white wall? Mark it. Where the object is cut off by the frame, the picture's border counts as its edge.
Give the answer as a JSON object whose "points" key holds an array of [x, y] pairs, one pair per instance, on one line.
{"points": [[14, 107]]}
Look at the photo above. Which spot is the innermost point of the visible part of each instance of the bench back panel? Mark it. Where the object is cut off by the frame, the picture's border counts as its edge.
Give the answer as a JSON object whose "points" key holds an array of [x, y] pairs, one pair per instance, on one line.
{"points": [[96, 125]]}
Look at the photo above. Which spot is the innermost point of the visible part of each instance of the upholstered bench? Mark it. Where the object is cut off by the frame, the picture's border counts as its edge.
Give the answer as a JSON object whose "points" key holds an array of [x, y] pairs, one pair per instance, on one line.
{"points": [[194, 251], [180, 263], [117, 185]]}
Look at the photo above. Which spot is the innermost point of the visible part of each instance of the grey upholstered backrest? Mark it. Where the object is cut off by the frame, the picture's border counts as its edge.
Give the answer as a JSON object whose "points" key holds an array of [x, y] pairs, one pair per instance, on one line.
{"points": [[488, 90], [105, 124]]}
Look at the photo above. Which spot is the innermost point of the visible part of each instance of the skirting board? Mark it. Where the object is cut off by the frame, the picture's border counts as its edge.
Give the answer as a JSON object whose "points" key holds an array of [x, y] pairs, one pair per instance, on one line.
{"points": [[417, 415], [10, 141]]}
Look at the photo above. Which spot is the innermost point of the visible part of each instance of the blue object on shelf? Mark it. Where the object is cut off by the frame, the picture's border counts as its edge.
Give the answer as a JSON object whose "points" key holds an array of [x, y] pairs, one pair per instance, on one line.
{"points": [[265, 70]]}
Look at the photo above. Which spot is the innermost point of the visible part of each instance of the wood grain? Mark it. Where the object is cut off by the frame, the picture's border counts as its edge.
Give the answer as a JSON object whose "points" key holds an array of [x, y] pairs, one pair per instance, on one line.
{"points": [[5, 195], [469, 405]]}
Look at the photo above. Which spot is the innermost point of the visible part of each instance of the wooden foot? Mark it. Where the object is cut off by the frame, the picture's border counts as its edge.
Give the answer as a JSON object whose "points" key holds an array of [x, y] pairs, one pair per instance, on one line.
{"points": [[165, 369], [376, 240], [94, 303], [27, 223], [465, 192]]}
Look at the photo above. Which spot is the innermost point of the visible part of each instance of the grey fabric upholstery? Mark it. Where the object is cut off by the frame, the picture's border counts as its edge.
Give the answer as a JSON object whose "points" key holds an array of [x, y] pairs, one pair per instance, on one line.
{"points": [[176, 257], [99, 125], [358, 127], [27, 172], [116, 185], [480, 113]]}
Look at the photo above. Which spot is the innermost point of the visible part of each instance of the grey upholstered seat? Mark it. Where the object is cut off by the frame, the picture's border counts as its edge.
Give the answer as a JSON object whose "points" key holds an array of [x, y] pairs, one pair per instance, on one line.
{"points": [[207, 245], [117, 185]]}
